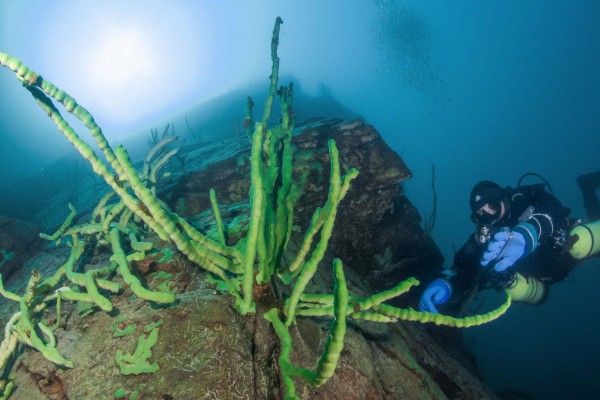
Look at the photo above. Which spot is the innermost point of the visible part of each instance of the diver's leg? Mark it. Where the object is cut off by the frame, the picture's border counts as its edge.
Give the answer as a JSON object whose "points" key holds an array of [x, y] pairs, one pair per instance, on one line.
{"points": [[588, 184]]}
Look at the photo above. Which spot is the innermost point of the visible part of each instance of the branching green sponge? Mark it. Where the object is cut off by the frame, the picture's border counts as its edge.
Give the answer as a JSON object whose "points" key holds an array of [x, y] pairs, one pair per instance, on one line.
{"points": [[27, 332], [335, 341], [118, 331], [6, 388], [438, 319], [65, 225], [373, 309], [134, 283], [137, 363], [333, 346], [11, 338], [219, 220], [255, 259], [336, 193]]}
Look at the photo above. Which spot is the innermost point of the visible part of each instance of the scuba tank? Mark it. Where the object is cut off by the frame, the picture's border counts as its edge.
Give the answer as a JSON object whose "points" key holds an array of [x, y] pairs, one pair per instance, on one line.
{"points": [[521, 289], [526, 290], [584, 240]]}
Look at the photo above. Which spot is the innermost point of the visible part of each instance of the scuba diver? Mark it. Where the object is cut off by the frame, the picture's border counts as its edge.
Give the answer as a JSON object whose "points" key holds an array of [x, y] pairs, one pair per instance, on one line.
{"points": [[524, 241]]}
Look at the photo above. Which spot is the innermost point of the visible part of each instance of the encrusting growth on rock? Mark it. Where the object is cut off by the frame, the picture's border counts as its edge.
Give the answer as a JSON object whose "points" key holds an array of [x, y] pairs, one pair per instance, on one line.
{"points": [[255, 260]]}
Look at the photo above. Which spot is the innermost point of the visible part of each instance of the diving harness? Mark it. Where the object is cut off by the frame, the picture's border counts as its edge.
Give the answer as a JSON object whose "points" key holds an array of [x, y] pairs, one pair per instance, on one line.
{"points": [[581, 241]]}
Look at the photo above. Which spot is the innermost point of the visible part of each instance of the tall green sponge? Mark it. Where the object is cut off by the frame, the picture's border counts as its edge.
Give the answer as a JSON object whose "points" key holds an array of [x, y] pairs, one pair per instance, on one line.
{"points": [[256, 260], [333, 346]]}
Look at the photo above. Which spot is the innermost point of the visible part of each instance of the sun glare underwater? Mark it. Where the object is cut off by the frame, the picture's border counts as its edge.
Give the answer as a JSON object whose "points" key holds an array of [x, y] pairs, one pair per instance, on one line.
{"points": [[461, 91]]}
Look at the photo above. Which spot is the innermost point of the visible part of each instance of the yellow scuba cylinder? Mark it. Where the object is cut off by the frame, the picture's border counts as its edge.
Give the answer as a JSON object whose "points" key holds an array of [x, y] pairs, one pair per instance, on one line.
{"points": [[527, 290], [585, 239]]}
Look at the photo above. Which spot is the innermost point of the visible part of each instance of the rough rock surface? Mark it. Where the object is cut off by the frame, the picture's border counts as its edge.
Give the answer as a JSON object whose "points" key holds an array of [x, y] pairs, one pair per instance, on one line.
{"points": [[378, 231], [18, 238], [206, 350]]}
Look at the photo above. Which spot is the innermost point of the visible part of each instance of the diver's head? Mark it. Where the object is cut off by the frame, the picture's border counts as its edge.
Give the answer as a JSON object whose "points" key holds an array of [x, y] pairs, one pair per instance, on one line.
{"points": [[489, 203]]}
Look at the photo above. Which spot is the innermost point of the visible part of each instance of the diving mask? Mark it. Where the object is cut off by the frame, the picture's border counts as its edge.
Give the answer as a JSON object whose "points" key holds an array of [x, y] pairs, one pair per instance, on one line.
{"points": [[487, 214]]}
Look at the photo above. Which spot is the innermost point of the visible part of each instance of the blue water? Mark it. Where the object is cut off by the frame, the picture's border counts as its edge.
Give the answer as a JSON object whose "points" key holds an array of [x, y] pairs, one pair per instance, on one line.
{"points": [[483, 90]]}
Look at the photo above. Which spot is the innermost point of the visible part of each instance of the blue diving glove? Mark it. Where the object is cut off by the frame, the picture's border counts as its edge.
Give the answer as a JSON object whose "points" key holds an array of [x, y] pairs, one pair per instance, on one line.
{"points": [[509, 246], [438, 292]]}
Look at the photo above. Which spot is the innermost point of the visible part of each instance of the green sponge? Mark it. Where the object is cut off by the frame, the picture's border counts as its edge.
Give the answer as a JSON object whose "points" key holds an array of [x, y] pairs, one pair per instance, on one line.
{"points": [[137, 363]]}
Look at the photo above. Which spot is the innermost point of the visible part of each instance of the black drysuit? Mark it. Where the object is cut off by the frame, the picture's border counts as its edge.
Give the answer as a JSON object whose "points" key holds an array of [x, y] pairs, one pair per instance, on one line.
{"points": [[548, 263]]}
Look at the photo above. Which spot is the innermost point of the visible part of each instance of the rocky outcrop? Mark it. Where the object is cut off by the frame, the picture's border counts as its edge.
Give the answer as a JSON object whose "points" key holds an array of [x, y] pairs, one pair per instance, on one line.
{"points": [[207, 350], [378, 231], [18, 240]]}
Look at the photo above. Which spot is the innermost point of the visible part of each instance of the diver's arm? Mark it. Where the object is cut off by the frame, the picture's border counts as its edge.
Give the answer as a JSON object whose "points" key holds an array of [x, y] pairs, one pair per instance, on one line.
{"points": [[543, 215], [465, 270], [455, 282], [546, 215]]}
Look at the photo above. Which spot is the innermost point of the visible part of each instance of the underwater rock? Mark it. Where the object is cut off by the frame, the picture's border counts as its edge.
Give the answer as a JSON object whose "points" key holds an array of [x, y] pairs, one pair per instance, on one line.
{"points": [[18, 239], [206, 349], [378, 231]]}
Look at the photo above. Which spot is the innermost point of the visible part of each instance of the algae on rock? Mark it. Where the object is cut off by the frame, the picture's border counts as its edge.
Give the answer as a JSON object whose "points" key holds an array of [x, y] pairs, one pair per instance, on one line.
{"points": [[242, 269]]}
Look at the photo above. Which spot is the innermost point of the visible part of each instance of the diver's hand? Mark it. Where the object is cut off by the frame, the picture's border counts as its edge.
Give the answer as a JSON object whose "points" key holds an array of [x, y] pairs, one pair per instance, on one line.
{"points": [[509, 246], [438, 292]]}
